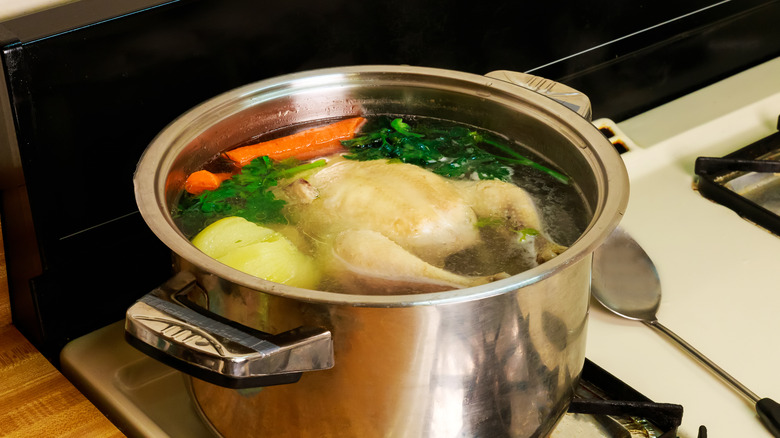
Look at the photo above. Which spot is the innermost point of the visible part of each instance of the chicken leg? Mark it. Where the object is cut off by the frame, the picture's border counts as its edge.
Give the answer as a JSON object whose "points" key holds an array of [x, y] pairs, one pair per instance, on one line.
{"points": [[367, 260]]}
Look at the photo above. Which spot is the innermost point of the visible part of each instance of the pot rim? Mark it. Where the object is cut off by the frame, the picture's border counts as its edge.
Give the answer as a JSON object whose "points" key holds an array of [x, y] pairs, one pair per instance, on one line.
{"points": [[154, 166]]}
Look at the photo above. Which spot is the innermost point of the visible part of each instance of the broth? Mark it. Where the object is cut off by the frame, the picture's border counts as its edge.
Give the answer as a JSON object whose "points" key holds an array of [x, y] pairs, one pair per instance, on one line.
{"points": [[319, 219]]}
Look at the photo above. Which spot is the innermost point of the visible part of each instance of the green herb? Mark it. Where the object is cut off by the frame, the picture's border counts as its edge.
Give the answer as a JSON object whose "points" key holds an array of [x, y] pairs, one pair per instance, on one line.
{"points": [[246, 194], [526, 233], [453, 151], [518, 158], [485, 222], [403, 128]]}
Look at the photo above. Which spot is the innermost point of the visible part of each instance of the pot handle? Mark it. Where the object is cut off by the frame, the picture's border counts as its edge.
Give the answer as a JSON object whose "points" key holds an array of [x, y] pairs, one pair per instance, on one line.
{"points": [[563, 94], [166, 325]]}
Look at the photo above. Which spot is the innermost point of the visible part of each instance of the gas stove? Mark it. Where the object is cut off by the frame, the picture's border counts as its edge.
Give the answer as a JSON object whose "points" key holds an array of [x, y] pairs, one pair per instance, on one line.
{"points": [[717, 271], [145, 398]]}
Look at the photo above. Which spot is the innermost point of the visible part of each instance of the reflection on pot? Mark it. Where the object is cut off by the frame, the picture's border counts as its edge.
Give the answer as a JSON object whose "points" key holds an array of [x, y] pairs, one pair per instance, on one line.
{"points": [[494, 367]]}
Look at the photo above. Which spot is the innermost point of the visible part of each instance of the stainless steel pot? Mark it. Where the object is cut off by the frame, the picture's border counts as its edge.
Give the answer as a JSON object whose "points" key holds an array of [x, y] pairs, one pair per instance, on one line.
{"points": [[500, 359]]}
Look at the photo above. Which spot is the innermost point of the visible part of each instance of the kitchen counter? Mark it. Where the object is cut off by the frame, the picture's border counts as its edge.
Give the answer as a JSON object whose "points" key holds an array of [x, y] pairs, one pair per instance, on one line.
{"points": [[35, 399]]}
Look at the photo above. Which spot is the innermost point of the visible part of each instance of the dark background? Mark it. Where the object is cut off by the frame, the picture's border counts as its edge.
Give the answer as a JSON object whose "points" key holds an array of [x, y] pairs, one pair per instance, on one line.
{"points": [[89, 84]]}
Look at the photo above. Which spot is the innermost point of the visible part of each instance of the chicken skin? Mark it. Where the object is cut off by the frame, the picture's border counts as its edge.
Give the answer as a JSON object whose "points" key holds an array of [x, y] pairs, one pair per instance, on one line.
{"points": [[390, 227]]}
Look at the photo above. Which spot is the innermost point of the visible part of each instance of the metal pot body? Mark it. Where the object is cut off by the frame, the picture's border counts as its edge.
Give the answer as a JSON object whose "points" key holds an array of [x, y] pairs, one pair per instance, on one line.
{"points": [[500, 366], [496, 360]]}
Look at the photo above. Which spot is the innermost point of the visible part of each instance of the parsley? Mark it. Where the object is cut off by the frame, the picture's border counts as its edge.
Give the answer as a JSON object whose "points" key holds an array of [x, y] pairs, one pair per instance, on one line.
{"points": [[453, 152], [525, 233], [246, 194]]}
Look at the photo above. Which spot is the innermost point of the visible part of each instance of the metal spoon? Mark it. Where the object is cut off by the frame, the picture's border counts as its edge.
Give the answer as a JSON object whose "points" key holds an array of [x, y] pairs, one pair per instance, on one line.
{"points": [[626, 282]]}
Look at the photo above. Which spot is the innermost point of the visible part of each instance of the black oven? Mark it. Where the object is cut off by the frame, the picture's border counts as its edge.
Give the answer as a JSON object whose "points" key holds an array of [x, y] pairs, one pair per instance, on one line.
{"points": [[87, 85]]}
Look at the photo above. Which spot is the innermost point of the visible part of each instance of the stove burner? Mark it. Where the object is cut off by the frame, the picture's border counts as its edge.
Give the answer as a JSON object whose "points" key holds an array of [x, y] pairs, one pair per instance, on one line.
{"points": [[604, 396], [747, 181]]}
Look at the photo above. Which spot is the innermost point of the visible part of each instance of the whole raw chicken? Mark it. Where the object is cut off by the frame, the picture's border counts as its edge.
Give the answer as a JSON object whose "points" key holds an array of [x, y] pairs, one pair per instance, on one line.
{"points": [[389, 227]]}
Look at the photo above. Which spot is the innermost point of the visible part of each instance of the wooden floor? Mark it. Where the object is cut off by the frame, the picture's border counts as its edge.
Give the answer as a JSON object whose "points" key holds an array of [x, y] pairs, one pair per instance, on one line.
{"points": [[35, 399]]}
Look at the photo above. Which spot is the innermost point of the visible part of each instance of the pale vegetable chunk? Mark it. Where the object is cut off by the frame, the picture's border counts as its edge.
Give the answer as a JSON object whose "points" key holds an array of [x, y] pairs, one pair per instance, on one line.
{"points": [[278, 260], [258, 251], [228, 234]]}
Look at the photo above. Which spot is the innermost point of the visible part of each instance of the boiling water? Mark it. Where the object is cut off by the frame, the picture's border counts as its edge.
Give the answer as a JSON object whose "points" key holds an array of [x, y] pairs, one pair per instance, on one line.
{"points": [[561, 206]]}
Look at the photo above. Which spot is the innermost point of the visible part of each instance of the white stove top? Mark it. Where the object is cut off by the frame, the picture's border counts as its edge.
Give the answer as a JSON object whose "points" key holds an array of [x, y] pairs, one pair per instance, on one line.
{"points": [[718, 273]]}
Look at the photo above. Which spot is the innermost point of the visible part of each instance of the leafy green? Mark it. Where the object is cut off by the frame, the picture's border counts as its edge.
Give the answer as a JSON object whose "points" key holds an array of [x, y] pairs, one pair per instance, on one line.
{"points": [[526, 233], [518, 158], [487, 221], [451, 151], [246, 194], [403, 128]]}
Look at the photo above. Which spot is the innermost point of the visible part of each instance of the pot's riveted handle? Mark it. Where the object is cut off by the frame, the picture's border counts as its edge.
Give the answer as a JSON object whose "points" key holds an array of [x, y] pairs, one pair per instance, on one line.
{"points": [[217, 350], [563, 94]]}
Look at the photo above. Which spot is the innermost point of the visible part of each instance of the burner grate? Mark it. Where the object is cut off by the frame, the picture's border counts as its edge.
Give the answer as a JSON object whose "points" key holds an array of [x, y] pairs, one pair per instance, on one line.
{"points": [[615, 404], [747, 181]]}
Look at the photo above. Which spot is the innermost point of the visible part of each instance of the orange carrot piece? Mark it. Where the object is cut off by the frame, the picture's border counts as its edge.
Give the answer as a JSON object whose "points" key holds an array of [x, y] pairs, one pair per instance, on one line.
{"points": [[303, 145], [203, 180]]}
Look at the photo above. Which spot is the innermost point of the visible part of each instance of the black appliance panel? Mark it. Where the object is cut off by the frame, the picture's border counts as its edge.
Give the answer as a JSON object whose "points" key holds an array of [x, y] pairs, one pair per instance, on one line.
{"points": [[89, 84]]}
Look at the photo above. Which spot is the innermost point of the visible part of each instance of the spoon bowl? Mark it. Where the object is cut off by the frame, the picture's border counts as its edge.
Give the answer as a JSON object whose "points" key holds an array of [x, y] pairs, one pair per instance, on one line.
{"points": [[625, 280]]}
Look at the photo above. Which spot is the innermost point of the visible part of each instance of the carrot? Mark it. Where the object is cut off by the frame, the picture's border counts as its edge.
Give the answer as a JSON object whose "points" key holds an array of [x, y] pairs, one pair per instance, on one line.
{"points": [[303, 145], [203, 180]]}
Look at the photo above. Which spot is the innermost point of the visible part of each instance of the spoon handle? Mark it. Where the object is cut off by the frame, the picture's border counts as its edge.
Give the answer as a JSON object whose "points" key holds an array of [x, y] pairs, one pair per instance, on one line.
{"points": [[705, 361], [768, 410]]}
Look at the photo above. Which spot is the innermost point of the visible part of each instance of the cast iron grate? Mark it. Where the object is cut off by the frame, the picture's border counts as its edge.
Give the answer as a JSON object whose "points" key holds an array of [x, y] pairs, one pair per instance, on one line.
{"points": [[747, 181], [609, 399]]}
